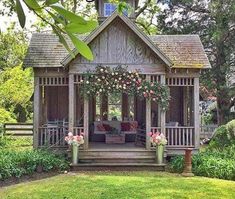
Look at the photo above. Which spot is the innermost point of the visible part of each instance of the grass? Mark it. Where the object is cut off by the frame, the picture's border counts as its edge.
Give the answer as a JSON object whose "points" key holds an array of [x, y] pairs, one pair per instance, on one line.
{"points": [[105, 185]]}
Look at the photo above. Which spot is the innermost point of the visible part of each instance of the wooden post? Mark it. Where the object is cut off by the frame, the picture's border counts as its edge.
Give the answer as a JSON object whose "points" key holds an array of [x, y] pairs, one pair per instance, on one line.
{"points": [[148, 118], [36, 111], [163, 113], [86, 123], [196, 112], [71, 102], [185, 111]]}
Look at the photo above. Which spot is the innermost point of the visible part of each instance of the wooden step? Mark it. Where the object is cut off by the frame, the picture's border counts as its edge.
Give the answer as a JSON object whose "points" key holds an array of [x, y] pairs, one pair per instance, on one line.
{"points": [[114, 153], [118, 166], [119, 159]]}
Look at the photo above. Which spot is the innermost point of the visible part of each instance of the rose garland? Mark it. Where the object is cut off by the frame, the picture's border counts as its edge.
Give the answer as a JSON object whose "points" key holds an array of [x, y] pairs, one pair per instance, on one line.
{"points": [[105, 80]]}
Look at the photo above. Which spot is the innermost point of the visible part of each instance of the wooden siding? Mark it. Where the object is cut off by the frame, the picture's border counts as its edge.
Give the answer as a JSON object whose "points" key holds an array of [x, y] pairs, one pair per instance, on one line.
{"points": [[118, 44]]}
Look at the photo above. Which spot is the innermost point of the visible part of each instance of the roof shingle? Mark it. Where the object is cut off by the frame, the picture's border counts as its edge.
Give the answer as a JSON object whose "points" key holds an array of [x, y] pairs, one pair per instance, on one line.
{"points": [[185, 51]]}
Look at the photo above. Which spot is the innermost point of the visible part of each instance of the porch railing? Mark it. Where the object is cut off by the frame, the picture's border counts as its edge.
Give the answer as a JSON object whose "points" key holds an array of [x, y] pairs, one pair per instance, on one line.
{"points": [[52, 136], [78, 130], [180, 136]]}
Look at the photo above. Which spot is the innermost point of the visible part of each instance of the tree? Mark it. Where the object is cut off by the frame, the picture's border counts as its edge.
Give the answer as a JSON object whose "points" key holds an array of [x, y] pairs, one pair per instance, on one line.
{"points": [[13, 45], [16, 89], [214, 21]]}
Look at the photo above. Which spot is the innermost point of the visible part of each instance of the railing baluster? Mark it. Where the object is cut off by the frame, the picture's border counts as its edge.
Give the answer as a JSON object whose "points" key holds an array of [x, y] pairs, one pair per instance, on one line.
{"points": [[187, 140]]}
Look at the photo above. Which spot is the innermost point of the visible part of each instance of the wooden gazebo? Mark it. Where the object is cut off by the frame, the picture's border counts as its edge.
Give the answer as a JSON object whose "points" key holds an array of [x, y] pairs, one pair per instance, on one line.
{"points": [[172, 60]]}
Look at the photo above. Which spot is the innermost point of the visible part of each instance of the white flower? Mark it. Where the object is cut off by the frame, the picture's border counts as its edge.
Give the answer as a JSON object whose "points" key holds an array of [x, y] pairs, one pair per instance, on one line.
{"points": [[87, 82], [103, 77], [100, 90], [119, 78], [112, 73], [101, 69]]}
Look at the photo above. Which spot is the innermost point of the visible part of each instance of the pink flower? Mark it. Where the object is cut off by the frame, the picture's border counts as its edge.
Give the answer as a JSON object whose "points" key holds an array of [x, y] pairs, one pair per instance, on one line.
{"points": [[150, 134], [70, 134]]}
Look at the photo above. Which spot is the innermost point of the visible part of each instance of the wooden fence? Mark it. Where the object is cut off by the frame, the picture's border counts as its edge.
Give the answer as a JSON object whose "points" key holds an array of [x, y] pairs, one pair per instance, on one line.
{"points": [[18, 129]]}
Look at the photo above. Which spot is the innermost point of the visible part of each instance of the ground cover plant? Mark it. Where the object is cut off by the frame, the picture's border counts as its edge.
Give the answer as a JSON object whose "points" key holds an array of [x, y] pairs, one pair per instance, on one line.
{"points": [[26, 162]]}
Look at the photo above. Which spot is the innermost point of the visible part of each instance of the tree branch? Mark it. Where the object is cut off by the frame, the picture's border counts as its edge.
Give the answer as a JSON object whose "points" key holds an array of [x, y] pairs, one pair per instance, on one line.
{"points": [[147, 2]]}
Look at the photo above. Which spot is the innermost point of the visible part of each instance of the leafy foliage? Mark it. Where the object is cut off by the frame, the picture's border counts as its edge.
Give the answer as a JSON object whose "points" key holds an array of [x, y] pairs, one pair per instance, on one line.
{"points": [[13, 45], [224, 136], [218, 160], [212, 163], [19, 163], [16, 89], [6, 116], [213, 20], [60, 21]]}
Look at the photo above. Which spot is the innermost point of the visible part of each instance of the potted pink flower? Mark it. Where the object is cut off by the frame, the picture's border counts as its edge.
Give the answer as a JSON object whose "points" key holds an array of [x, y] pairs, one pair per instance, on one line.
{"points": [[159, 141], [75, 142]]}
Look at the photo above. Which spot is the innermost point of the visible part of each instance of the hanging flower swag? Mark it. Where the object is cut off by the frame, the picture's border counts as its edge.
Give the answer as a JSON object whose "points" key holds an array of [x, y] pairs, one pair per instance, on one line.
{"points": [[105, 80]]}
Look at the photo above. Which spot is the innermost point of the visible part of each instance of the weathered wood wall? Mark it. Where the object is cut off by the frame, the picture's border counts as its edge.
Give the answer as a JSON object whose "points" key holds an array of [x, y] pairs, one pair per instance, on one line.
{"points": [[118, 44]]}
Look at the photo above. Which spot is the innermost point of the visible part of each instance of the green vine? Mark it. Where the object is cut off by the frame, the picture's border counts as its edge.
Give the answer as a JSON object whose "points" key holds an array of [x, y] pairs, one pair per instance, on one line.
{"points": [[105, 80]]}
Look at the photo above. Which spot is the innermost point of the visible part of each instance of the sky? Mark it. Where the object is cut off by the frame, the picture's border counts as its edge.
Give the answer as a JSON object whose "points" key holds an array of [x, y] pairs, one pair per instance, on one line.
{"points": [[5, 21]]}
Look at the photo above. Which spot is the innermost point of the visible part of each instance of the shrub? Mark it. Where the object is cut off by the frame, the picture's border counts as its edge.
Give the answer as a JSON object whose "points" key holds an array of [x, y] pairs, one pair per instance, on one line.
{"points": [[224, 136], [231, 130], [18, 163], [220, 139], [211, 163]]}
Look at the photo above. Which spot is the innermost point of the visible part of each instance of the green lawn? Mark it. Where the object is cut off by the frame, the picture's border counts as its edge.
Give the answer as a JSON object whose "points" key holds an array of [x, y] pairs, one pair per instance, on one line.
{"points": [[107, 185]]}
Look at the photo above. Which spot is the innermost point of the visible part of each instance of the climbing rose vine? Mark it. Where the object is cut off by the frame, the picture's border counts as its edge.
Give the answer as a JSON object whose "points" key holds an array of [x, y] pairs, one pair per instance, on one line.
{"points": [[105, 80]]}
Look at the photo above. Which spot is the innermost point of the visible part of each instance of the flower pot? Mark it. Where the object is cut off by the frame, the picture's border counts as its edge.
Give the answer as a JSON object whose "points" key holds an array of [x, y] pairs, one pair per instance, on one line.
{"points": [[74, 153], [159, 154]]}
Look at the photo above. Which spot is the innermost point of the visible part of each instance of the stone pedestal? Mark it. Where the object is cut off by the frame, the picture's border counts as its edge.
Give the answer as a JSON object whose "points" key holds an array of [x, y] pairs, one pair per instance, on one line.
{"points": [[188, 164]]}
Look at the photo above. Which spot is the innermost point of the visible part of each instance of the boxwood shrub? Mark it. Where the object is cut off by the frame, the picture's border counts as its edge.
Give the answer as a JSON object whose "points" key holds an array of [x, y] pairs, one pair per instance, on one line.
{"points": [[19, 163]]}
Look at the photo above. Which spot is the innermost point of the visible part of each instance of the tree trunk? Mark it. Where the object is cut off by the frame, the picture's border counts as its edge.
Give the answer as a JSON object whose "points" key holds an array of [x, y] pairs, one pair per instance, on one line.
{"points": [[220, 71]]}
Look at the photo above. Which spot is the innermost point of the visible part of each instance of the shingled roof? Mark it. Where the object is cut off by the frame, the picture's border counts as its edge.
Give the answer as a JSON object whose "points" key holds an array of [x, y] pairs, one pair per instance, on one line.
{"points": [[185, 51], [177, 51]]}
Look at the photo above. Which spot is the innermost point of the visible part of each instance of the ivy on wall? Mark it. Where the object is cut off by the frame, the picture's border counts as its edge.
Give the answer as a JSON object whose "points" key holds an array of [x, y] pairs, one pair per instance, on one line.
{"points": [[105, 80]]}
